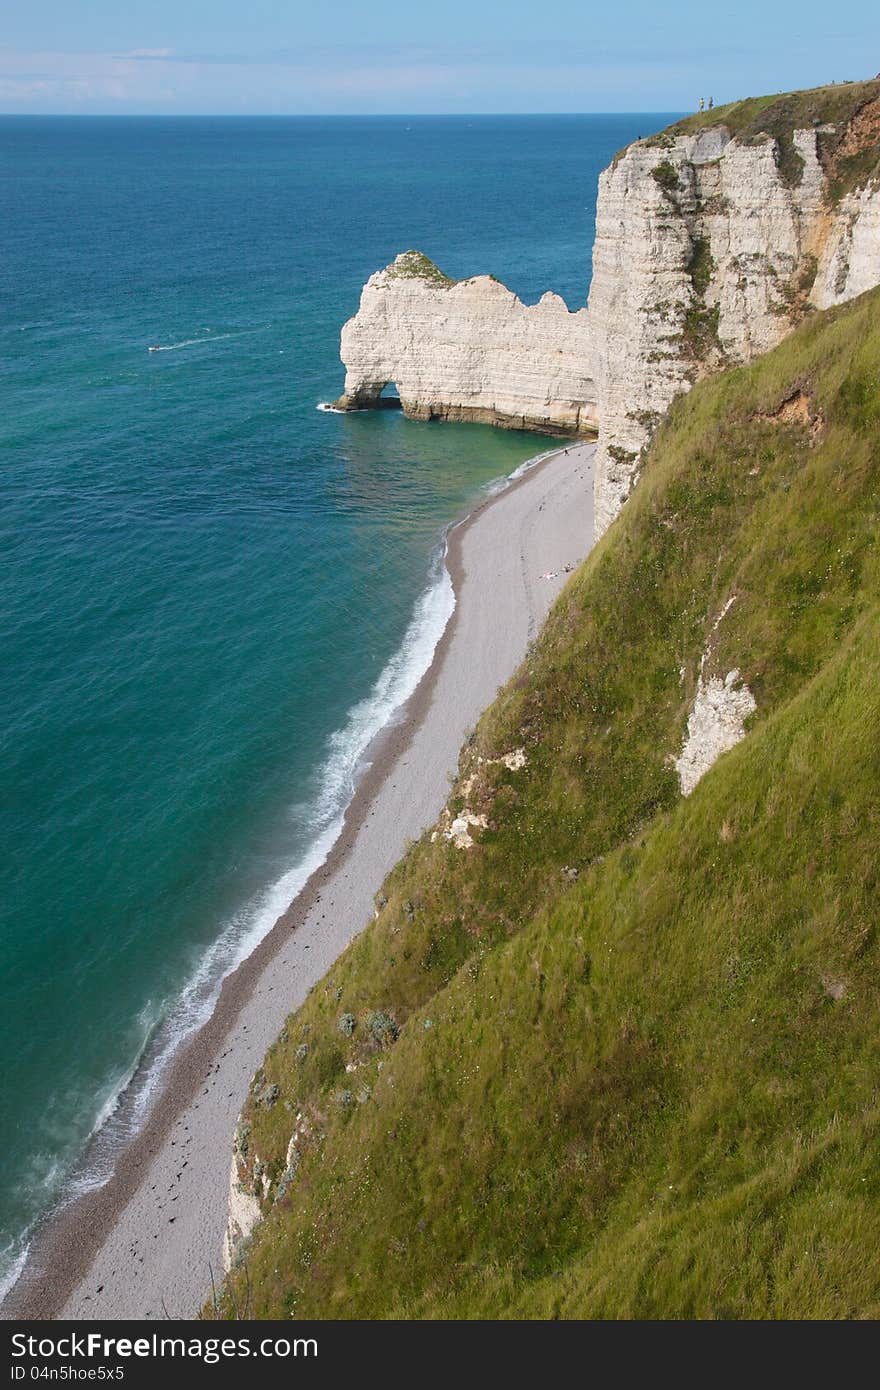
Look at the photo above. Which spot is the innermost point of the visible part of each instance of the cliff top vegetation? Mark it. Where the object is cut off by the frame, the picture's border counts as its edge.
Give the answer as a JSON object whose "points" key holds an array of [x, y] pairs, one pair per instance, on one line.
{"points": [[850, 153], [417, 266]]}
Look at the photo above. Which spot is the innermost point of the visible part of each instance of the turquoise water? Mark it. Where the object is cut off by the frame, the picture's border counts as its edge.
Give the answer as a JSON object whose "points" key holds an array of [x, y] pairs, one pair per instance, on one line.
{"points": [[213, 593]]}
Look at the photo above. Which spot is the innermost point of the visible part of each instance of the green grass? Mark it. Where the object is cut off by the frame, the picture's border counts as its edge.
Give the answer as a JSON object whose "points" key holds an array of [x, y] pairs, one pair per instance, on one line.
{"points": [[666, 175], [650, 1090], [779, 116], [699, 331], [784, 112], [415, 265], [701, 266]]}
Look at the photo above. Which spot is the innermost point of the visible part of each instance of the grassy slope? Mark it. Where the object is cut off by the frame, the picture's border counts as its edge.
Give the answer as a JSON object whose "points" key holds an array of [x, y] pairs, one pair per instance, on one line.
{"points": [[651, 1091], [786, 111]]}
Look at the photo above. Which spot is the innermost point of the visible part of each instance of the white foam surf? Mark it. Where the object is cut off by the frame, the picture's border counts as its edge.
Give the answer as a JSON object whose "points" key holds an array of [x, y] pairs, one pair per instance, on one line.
{"points": [[531, 463], [12, 1261], [345, 759]]}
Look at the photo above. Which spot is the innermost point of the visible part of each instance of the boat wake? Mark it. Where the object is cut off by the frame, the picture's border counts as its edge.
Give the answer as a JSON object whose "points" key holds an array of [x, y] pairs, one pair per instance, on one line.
{"points": [[204, 341], [172, 347]]}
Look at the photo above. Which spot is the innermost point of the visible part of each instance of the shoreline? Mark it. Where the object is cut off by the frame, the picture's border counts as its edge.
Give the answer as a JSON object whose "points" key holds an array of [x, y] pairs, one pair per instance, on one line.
{"points": [[88, 1232]]}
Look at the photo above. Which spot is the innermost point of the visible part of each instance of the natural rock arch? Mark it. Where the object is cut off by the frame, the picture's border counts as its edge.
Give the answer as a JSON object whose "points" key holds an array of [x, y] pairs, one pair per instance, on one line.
{"points": [[468, 350]]}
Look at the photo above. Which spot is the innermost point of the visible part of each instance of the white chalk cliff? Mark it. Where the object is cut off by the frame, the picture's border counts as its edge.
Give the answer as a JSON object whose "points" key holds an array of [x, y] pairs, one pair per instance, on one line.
{"points": [[709, 248], [468, 350], [708, 251]]}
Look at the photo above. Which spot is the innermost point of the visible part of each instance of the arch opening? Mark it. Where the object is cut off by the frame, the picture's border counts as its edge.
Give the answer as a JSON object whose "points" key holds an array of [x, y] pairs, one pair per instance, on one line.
{"points": [[388, 398]]}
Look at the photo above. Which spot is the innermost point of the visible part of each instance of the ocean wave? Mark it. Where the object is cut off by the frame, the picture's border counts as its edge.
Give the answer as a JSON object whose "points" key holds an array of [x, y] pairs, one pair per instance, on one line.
{"points": [[501, 484], [13, 1259], [529, 464], [344, 760], [393, 688]]}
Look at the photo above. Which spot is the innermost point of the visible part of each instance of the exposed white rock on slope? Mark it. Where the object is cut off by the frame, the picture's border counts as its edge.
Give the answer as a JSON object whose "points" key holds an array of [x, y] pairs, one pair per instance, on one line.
{"points": [[459, 830], [243, 1214], [704, 255], [715, 724], [850, 260], [468, 350]]}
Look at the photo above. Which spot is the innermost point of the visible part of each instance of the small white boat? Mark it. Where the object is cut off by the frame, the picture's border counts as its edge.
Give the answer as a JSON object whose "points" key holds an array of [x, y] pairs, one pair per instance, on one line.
{"points": [[157, 348]]}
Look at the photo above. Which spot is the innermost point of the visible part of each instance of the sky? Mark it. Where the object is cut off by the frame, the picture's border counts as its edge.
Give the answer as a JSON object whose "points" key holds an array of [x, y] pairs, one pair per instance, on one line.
{"points": [[288, 57]]}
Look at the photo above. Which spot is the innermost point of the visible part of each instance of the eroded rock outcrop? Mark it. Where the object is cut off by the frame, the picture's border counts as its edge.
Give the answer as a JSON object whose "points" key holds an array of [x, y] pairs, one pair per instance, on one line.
{"points": [[711, 246], [468, 350], [716, 724], [242, 1214]]}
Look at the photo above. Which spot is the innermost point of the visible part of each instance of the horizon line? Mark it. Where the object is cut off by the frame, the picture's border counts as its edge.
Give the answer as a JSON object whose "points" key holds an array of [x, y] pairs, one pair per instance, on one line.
{"points": [[307, 115]]}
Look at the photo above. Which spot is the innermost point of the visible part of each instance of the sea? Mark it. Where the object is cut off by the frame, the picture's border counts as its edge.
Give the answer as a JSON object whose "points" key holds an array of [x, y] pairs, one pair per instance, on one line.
{"points": [[214, 593]]}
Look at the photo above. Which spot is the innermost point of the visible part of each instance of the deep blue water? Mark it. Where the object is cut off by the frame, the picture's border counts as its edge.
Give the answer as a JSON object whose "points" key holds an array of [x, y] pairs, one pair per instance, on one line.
{"points": [[212, 592]]}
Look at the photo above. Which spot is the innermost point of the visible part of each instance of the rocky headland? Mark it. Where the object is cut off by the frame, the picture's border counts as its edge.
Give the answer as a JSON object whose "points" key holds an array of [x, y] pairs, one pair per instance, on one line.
{"points": [[714, 239]]}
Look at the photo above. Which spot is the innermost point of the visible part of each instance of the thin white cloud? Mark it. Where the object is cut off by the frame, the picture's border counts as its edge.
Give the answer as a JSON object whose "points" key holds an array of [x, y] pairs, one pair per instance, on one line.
{"points": [[149, 53], [355, 78], [81, 81]]}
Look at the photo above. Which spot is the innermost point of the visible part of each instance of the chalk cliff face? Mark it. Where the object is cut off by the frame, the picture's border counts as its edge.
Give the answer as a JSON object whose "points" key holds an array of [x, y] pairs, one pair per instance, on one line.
{"points": [[709, 249], [468, 350], [850, 259]]}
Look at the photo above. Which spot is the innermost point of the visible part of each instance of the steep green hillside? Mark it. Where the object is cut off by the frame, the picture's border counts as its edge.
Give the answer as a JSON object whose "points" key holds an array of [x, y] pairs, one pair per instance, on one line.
{"points": [[621, 1058]]}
